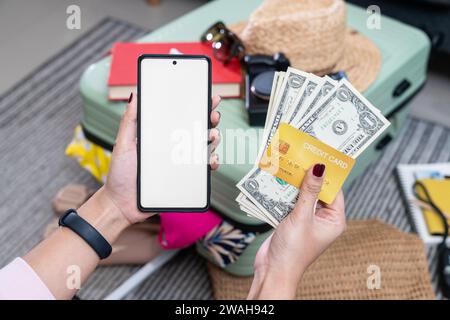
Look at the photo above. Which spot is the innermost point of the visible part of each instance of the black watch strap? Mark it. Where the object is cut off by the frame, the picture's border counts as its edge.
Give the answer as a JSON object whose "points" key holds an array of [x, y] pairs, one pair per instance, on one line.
{"points": [[88, 233]]}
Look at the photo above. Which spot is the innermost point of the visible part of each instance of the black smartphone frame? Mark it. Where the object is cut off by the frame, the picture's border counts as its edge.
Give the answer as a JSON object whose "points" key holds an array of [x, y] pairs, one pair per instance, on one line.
{"points": [[138, 134]]}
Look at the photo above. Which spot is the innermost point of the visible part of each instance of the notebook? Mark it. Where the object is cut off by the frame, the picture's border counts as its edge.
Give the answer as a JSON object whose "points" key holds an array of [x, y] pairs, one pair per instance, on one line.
{"points": [[426, 221], [226, 80]]}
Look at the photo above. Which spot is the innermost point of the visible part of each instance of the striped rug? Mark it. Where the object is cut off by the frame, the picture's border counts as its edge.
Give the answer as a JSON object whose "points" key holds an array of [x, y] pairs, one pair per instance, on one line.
{"points": [[37, 117]]}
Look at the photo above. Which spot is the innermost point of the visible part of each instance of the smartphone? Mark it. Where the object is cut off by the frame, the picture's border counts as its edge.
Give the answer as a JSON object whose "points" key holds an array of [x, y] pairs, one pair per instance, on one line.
{"points": [[174, 106]]}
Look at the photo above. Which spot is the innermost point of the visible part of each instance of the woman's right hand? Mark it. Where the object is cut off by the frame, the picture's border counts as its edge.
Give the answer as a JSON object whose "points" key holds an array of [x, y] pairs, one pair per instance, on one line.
{"points": [[298, 240]]}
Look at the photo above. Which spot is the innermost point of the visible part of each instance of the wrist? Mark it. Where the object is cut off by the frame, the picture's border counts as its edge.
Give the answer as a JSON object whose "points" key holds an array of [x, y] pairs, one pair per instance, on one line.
{"points": [[102, 214], [278, 283]]}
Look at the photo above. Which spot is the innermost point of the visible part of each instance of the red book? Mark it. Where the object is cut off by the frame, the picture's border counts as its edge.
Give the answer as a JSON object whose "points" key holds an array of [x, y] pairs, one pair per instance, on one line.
{"points": [[122, 80]]}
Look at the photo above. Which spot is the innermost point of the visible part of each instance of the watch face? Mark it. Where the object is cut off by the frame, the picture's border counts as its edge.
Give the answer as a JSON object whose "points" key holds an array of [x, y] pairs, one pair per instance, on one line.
{"points": [[262, 85]]}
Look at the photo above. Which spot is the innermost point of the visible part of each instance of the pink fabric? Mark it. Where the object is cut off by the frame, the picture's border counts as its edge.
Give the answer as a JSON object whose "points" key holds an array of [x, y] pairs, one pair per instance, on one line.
{"points": [[180, 230], [18, 281]]}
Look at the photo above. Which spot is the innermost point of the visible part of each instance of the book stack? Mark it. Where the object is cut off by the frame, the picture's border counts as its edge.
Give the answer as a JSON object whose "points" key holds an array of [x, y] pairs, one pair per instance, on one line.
{"points": [[226, 79]]}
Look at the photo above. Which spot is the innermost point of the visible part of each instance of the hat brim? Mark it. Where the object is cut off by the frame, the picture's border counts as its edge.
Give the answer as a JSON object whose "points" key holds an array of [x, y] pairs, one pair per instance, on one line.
{"points": [[361, 60]]}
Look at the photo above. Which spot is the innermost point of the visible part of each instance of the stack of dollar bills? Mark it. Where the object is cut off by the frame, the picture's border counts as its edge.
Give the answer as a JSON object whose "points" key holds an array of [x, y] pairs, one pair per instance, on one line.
{"points": [[332, 111]]}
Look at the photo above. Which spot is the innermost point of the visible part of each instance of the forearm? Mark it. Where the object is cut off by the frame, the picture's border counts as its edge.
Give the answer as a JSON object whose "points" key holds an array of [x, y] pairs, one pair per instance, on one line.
{"points": [[277, 285], [56, 258]]}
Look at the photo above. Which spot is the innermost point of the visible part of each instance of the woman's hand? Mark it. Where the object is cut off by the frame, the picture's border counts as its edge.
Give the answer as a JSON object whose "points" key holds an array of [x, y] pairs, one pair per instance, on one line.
{"points": [[120, 187], [297, 241], [110, 210]]}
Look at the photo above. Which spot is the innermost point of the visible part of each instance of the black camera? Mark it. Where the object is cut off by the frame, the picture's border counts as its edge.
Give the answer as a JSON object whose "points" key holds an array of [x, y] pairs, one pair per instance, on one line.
{"points": [[258, 83]]}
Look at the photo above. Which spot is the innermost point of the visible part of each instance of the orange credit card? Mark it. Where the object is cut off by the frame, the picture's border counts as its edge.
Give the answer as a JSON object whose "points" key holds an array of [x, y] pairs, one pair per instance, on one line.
{"points": [[292, 152]]}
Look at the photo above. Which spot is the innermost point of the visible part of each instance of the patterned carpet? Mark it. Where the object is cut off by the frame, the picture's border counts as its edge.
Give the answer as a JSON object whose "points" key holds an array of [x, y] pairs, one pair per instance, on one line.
{"points": [[36, 121]]}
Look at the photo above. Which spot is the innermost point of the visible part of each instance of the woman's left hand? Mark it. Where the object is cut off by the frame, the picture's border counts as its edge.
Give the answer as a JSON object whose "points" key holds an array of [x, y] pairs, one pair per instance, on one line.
{"points": [[120, 187], [109, 211]]}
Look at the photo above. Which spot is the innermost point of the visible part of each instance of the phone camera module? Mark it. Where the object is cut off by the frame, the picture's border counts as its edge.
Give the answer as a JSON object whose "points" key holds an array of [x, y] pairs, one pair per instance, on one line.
{"points": [[174, 62]]}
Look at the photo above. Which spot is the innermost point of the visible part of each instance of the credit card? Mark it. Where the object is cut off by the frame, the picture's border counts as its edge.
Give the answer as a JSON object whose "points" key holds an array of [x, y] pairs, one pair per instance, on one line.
{"points": [[292, 152]]}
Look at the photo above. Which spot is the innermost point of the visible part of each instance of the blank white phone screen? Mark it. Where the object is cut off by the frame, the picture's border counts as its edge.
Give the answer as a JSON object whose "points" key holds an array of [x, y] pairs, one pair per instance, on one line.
{"points": [[174, 100]]}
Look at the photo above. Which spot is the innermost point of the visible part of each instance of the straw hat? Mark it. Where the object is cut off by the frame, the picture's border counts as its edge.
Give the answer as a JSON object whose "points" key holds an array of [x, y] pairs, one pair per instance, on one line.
{"points": [[314, 36], [343, 271]]}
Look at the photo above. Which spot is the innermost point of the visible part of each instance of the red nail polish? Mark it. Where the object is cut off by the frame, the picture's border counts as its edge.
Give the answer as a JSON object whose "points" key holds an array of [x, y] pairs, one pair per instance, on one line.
{"points": [[318, 170], [130, 98]]}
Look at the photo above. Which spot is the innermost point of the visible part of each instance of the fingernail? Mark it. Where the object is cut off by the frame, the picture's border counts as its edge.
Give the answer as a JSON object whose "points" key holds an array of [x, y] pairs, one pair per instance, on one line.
{"points": [[220, 98], [218, 134], [318, 170], [130, 98], [220, 115]]}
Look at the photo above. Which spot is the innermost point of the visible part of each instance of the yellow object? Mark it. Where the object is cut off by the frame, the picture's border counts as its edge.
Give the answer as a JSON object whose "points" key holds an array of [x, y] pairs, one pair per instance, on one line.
{"points": [[292, 152], [439, 191], [90, 156]]}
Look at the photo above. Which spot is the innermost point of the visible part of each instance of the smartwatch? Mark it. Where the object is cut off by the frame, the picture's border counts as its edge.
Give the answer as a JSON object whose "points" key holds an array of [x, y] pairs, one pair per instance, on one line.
{"points": [[70, 219]]}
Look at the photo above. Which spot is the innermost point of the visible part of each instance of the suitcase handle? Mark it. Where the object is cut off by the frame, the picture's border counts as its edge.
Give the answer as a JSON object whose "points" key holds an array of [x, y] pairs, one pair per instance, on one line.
{"points": [[384, 142], [401, 88], [398, 90]]}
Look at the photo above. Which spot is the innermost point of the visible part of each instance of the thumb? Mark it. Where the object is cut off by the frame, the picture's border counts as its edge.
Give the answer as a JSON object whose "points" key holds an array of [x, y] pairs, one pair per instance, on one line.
{"points": [[127, 128], [309, 190]]}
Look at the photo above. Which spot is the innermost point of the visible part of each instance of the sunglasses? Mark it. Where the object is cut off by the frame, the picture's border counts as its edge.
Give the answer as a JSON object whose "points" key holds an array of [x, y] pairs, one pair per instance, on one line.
{"points": [[226, 45]]}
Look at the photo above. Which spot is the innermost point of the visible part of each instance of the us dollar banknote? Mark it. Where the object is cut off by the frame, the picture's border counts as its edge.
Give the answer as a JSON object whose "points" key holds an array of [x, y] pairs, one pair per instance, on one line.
{"points": [[293, 82], [317, 96], [290, 89], [312, 83], [346, 121], [271, 195], [333, 112]]}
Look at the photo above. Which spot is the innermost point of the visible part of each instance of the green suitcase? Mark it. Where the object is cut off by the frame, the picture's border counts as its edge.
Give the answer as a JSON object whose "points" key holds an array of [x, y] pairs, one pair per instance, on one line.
{"points": [[404, 52]]}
